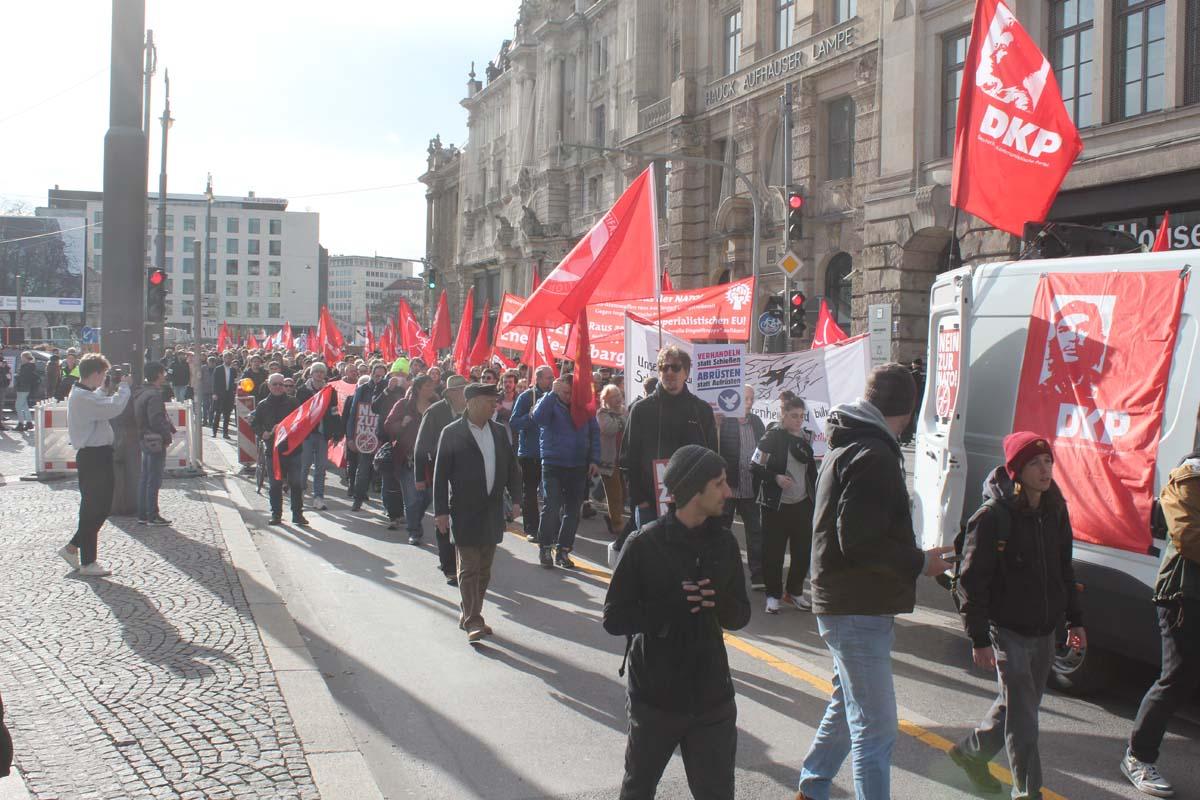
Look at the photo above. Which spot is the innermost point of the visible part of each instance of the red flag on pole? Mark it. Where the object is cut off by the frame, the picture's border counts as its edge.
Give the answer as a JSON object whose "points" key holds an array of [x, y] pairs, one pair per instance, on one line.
{"points": [[1162, 240], [295, 427], [479, 352], [329, 338], [439, 333], [1014, 141], [828, 331], [387, 342], [223, 338], [369, 347], [616, 260], [462, 343], [413, 339], [583, 397], [310, 341], [251, 342], [667, 286], [286, 340]]}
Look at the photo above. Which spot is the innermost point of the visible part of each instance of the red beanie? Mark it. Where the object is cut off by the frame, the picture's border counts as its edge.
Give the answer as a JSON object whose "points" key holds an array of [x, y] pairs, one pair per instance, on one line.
{"points": [[1022, 447]]}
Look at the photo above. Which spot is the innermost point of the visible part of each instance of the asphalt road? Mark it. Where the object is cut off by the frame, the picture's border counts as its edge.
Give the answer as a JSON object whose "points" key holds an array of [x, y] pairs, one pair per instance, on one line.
{"points": [[539, 711]]}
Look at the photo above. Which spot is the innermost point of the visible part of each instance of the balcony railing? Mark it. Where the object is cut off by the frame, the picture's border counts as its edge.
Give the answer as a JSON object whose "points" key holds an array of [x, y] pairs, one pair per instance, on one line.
{"points": [[654, 114]]}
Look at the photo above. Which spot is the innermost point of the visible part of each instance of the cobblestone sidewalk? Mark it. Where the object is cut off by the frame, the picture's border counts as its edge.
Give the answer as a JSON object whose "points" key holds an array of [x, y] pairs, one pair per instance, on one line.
{"points": [[151, 683]]}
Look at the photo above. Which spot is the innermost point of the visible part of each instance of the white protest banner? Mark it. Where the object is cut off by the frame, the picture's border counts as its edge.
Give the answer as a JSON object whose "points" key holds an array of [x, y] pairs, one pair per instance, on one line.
{"points": [[825, 377], [642, 344], [718, 376]]}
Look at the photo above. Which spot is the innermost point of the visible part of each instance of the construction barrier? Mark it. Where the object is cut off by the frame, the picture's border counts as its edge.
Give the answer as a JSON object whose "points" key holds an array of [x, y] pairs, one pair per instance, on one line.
{"points": [[247, 444], [54, 456]]}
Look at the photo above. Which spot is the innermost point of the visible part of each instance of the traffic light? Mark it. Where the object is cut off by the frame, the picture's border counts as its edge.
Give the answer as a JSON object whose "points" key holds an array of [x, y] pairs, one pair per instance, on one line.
{"points": [[156, 295], [795, 214], [797, 325], [431, 278]]}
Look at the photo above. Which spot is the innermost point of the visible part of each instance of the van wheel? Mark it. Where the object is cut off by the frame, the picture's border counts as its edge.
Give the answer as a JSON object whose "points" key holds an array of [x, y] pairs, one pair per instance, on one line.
{"points": [[1078, 672]]}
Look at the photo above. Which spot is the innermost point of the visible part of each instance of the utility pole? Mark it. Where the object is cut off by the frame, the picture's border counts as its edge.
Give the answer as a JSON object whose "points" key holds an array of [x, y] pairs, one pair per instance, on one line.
{"points": [[157, 341], [202, 272], [785, 114], [18, 317], [197, 403]]}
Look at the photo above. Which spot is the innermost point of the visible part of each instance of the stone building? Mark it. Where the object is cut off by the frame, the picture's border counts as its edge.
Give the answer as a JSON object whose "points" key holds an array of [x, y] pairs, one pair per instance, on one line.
{"points": [[695, 86]]}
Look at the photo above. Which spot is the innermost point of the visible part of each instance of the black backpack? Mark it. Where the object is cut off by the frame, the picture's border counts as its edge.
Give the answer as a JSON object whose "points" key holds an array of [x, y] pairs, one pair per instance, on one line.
{"points": [[1003, 531]]}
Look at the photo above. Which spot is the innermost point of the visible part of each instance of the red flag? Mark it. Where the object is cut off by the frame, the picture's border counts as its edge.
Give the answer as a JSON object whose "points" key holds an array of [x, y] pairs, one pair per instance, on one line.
{"points": [[413, 339], [329, 338], [1162, 240], [828, 331], [310, 341], [223, 338], [251, 342], [286, 340], [369, 347], [479, 352], [1014, 141], [462, 342], [387, 345], [295, 427], [666, 282], [504, 360], [616, 260], [583, 397], [440, 331]]}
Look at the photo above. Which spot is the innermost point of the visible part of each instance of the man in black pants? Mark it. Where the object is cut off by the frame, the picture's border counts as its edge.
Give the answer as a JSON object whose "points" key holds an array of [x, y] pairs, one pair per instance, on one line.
{"points": [[677, 586], [89, 410], [529, 451], [272, 410], [225, 379]]}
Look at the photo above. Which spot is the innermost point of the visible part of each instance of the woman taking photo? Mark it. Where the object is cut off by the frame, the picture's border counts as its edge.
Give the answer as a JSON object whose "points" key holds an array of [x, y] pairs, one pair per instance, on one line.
{"points": [[613, 421], [400, 483]]}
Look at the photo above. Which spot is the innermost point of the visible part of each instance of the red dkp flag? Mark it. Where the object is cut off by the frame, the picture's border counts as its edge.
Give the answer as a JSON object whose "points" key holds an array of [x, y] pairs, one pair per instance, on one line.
{"points": [[295, 427], [828, 331], [1014, 141], [439, 332], [413, 340], [462, 343], [369, 347], [1162, 239], [223, 338]]}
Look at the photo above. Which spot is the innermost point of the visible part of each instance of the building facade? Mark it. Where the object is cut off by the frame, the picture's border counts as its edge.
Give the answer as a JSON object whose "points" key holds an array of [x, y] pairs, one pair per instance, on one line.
{"points": [[586, 94], [263, 260], [356, 288]]}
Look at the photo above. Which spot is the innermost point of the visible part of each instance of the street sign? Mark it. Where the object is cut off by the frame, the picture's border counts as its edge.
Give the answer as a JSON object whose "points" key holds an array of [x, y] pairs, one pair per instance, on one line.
{"points": [[770, 323], [789, 263], [879, 325], [89, 335]]}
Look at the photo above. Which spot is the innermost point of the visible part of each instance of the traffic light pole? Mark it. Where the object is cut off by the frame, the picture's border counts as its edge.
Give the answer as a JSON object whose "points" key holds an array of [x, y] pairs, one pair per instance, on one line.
{"points": [[157, 342], [785, 114]]}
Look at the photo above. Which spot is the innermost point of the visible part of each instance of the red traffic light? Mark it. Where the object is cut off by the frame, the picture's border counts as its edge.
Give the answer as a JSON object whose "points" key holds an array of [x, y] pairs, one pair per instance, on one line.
{"points": [[157, 277], [795, 200], [798, 299]]}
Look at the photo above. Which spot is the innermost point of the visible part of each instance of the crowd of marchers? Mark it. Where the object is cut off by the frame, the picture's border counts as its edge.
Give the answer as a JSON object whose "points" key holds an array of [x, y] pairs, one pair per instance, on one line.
{"points": [[495, 444]]}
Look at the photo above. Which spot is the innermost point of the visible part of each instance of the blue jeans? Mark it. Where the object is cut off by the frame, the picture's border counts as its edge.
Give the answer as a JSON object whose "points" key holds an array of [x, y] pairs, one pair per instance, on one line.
{"points": [[861, 717], [149, 482], [22, 409], [415, 501], [564, 488], [313, 453]]}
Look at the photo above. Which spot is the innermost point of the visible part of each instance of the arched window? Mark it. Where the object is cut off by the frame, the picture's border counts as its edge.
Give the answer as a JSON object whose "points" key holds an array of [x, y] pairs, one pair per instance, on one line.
{"points": [[773, 167], [837, 287], [725, 277]]}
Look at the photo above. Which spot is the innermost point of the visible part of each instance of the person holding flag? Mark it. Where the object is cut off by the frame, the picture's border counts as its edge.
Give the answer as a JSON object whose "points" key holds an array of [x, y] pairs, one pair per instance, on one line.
{"points": [[268, 414]]}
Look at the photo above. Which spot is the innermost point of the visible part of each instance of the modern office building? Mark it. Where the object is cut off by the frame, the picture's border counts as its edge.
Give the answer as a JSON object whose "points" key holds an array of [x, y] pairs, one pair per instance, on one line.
{"points": [[356, 288]]}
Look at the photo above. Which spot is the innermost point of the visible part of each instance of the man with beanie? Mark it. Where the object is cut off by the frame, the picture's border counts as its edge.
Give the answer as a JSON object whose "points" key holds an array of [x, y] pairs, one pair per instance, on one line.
{"points": [[1016, 583], [864, 572], [677, 586]]}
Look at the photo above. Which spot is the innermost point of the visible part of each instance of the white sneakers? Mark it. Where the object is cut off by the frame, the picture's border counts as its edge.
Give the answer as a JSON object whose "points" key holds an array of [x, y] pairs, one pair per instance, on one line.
{"points": [[613, 555], [70, 556], [772, 605], [95, 570], [1145, 777], [799, 601]]}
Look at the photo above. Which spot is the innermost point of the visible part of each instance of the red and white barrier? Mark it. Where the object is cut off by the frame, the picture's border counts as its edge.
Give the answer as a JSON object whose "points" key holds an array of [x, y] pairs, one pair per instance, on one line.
{"points": [[54, 455], [247, 445]]}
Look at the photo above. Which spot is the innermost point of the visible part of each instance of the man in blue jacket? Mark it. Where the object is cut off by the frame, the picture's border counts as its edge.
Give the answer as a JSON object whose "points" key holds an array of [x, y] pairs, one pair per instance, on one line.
{"points": [[529, 450], [569, 456]]}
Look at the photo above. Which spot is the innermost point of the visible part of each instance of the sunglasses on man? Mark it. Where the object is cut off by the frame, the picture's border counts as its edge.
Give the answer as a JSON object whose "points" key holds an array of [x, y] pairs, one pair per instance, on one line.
{"points": [[671, 367]]}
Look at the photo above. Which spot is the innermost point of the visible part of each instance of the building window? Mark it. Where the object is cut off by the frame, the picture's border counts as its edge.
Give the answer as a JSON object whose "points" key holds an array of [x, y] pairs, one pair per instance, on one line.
{"points": [[97, 217], [210, 287], [840, 114], [97, 241], [231, 266], [273, 290], [1071, 51], [275, 248], [954, 53], [231, 309], [231, 245], [170, 221], [1140, 50], [187, 308], [273, 268], [231, 289], [189, 265], [188, 285], [598, 133], [844, 10], [838, 292], [272, 309], [231, 225], [254, 226], [170, 266], [785, 23], [212, 244], [252, 288], [593, 190], [253, 247], [251, 309], [96, 262], [189, 223], [600, 56], [276, 227], [252, 267], [733, 41], [188, 243], [170, 243]]}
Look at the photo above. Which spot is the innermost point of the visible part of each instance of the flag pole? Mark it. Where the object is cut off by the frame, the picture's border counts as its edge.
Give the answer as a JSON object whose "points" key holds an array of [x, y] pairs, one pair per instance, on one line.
{"points": [[954, 257]]}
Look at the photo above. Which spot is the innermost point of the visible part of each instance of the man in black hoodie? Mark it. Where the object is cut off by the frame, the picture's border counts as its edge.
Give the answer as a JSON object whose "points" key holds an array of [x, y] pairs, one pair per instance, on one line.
{"points": [[677, 586], [864, 571]]}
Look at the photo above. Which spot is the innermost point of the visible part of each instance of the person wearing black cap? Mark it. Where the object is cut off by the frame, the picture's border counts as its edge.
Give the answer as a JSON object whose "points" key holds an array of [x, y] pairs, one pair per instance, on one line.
{"points": [[865, 565], [475, 464], [678, 584], [1016, 583]]}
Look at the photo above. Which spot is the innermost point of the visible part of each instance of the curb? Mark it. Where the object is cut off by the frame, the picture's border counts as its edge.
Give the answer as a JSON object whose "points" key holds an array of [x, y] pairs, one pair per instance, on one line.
{"points": [[338, 767]]}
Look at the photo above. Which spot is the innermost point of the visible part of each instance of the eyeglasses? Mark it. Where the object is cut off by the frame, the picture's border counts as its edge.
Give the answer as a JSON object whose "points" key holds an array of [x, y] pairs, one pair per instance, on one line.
{"points": [[275, 385], [670, 367]]}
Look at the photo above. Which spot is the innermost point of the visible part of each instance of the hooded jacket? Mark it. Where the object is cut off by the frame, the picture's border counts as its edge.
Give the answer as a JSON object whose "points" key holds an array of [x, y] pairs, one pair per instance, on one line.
{"points": [[560, 442], [677, 659], [1179, 571], [659, 425], [770, 460], [522, 422], [1028, 584], [865, 556]]}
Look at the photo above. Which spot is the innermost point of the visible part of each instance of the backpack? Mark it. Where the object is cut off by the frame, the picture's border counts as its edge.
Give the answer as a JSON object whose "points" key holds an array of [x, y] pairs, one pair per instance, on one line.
{"points": [[1003, 531]]}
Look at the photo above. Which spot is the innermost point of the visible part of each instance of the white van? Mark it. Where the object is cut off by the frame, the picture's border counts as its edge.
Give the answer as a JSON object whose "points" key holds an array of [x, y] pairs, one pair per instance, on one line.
{"points": [[978, 324]]}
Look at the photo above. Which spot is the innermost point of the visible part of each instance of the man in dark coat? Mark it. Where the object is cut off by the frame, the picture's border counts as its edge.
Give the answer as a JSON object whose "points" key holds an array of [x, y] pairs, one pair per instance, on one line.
{"points": [[677, 587], [155, 433], [224, 390], [267, 414], [475, 464], [661, 424], [436, 418]]}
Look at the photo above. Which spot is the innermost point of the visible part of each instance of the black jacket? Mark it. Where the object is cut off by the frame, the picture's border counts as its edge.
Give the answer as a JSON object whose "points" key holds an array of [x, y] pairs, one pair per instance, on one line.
{"points": [[677, 659], [771, 459], [729, 445], [27, 377], [225, 390], [270, 412], [1029, 585], [460, 485], [658, 426], [436, 417], [865, 558], [150, 413]]}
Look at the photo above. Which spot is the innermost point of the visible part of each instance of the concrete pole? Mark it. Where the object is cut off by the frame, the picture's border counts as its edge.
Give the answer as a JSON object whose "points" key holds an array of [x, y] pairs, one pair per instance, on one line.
{"points": [[785, 104], [158, 343], [197, 328]]}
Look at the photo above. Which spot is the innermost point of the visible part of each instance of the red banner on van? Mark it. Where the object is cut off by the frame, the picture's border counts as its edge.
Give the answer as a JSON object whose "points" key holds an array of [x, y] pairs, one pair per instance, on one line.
{"points": [[1094, 382]]}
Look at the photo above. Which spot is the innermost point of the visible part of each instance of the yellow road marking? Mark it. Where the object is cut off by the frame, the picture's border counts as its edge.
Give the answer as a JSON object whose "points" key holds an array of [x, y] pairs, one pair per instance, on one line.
{"points": [[758, 654]]}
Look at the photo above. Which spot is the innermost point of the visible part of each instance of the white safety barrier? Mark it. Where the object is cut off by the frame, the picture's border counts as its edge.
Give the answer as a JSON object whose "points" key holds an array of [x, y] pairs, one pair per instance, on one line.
{"points": [[54, 455]]}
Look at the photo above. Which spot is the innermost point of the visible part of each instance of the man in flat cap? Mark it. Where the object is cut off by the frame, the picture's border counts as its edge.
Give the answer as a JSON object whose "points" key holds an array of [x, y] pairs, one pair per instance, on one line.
{"points": [[475, 463], [677, 586]]}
